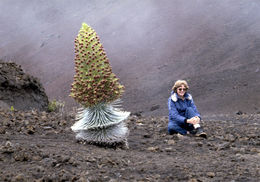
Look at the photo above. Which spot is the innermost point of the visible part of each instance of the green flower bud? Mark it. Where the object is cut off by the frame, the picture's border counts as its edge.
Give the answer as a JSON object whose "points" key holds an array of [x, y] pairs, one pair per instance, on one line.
{"points": [[94, 81]]}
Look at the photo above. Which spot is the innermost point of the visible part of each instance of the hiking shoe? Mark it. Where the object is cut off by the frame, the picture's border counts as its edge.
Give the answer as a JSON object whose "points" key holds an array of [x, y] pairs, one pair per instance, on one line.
{"points": [[200, 133]]}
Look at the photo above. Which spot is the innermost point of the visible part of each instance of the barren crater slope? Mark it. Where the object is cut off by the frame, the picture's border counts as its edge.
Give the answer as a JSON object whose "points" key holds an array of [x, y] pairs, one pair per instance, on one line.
{"points": [[213, 44]]}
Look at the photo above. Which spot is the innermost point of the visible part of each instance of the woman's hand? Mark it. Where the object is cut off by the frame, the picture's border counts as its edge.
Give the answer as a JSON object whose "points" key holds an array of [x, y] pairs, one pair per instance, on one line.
{"points": [[194, 120]]}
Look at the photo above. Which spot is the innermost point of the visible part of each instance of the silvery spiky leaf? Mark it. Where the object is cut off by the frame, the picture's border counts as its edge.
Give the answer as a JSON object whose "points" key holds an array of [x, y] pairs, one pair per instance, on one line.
{"points": [[112, 134], [101, 123], [99, 116]]}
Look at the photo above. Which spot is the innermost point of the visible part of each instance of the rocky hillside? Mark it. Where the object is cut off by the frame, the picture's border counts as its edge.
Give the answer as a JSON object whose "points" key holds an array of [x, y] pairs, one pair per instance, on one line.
{"points": [[20, 90], [213, 44]]}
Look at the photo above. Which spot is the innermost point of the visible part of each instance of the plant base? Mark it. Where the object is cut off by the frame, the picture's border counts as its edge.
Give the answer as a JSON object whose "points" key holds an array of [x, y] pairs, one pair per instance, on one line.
{"points": [[101, 124]]}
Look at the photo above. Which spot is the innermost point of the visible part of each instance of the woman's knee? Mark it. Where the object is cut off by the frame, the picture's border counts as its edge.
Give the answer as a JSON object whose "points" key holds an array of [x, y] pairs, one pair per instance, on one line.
{"points": [[190, 112]]}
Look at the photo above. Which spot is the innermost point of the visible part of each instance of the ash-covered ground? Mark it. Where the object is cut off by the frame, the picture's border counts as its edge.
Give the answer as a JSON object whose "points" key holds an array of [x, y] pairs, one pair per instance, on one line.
{"points": [[40, 146]]}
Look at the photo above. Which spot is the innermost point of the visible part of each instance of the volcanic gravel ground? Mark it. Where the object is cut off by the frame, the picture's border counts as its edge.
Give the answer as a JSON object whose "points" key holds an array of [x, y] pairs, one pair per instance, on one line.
{"points": [[40, 146]]}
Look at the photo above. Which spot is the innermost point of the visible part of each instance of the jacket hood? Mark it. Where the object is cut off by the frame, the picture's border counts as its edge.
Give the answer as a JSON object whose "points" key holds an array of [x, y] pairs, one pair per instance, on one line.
{"points": [[175, 96]]}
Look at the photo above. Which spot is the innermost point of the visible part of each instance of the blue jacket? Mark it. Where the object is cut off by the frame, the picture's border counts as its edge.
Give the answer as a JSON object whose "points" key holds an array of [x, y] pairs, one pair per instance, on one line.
{"points": [[177, 109]]}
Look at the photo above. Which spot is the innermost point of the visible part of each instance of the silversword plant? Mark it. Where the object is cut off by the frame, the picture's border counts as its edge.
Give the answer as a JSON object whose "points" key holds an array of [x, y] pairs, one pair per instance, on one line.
{"points": [[97, 89]]}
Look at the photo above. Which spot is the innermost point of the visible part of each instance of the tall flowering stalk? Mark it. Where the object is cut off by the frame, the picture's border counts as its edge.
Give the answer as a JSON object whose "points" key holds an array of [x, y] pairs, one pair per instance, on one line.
{"points": [[98, 90]]}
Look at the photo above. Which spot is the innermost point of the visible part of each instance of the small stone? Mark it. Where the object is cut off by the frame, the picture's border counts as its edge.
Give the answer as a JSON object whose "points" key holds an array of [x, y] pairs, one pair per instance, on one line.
{"points": [[2, 130], [39, 180], [169, 149], [230, 138], [62, 123], [223, 146], [242, 150], [21, 156], [19, 177], [163, 135], [40, 169], [182, 137], [211, 174], [153, 149], [171, 142], [200, 144], [44, 118], [36, 158], [9, 144], [47, 127], [82, 179], [112, 180], [254, 150], [193, 180], [30, 130]]}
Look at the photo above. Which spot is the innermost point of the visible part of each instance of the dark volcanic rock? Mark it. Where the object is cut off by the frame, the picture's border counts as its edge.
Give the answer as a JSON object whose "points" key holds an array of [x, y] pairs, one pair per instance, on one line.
{"points": [[20, 90]]}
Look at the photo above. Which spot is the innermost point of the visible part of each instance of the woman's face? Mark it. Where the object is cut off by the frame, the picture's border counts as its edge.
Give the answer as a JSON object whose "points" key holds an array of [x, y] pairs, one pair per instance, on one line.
{"points": [[181, 90]]}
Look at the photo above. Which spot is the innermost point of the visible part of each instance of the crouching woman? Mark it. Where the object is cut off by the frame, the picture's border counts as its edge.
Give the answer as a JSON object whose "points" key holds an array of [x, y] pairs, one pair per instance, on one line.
{"points": [[184, 117]]}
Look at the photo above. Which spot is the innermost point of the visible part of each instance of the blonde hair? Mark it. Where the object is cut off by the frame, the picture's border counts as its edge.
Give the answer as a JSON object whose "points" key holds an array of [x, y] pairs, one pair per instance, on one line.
{"points": [[178, 84]]}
